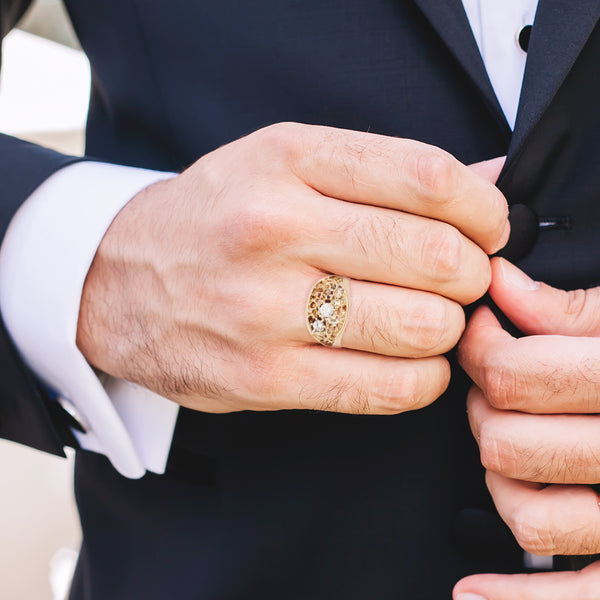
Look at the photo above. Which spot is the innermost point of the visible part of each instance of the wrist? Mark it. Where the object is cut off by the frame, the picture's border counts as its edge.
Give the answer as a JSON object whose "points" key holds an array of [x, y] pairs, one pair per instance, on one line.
{"points": [[109, 334]]}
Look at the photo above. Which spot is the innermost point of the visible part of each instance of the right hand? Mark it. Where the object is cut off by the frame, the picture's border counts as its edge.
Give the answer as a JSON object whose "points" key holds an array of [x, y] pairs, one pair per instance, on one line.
{"points": [[198, 290]]}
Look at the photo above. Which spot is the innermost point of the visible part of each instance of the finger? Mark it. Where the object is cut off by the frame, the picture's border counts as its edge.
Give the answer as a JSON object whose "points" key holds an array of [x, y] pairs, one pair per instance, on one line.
{"points": [[556, 519], [404, 175], [580, 585], [399, 322], [489, 169], [332, 379], [382, 319], [536, 374], [387, 246], [537, 308], [537, 448]]}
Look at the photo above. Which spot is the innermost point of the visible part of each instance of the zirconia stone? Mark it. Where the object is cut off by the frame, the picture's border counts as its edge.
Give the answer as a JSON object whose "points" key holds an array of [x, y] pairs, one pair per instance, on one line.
{"points": [[318, 326], [326, 310]]}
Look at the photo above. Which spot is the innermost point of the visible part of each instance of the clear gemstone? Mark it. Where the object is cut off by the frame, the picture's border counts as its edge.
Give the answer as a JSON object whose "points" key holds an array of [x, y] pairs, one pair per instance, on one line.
{"points": [[318, 326], [326, 310]]}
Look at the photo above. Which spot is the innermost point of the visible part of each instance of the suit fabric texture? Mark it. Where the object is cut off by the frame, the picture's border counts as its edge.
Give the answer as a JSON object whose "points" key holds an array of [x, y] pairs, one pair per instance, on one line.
{"points": [[298, 504]]}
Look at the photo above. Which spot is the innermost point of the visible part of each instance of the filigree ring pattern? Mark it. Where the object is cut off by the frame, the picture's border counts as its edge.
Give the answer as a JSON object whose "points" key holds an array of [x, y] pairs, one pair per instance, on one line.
{"points": [[327, 310]]}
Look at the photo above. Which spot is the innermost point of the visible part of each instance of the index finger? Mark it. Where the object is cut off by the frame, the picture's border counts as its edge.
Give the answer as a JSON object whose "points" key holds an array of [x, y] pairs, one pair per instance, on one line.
{"points": [[405, 175], [545, 374]]}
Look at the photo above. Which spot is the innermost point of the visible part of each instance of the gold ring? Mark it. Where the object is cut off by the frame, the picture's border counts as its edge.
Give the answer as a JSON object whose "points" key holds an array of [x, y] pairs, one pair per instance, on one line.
{"points": [[327, 309]]}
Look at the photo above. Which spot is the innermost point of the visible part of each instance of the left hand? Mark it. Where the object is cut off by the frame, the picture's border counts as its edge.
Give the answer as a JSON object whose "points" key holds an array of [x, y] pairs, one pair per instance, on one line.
{"points": [[533, 411]]}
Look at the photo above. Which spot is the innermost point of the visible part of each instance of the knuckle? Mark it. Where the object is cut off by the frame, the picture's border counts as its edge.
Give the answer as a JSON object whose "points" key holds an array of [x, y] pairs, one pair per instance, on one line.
{"points": [[532, 533], [435, 173], [455, 325], [497, 455], [441, 250], [394, 393], [577, 304], [280, 139], [477, 276], [500, 384], [249, 228], [427, 327], [258, 226]]}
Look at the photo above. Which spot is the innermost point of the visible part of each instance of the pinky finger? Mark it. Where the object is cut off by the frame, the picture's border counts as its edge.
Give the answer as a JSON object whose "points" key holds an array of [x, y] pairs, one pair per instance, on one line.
{"points": [[361, 382], [349, 381]]}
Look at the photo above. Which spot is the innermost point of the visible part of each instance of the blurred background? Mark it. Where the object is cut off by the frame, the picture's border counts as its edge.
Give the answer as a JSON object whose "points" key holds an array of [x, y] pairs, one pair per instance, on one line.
{"points": [[44, 91]]}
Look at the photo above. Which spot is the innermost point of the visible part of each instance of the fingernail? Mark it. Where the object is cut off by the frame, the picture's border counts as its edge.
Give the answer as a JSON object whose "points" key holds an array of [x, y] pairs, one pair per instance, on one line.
{"points": [[516, 278], [470, 597]]}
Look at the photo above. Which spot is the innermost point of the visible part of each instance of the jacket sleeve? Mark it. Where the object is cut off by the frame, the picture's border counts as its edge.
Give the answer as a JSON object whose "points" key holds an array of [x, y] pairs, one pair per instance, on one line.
{"points": [[27, 413]]}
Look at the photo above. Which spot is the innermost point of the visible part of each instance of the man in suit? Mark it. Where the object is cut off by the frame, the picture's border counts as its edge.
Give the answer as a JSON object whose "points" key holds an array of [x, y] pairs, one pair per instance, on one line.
{"points": [[198, 289]]}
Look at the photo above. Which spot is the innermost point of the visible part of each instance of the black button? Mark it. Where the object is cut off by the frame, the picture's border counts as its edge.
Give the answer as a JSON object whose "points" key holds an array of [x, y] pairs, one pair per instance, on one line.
{"points": [[524, 228], [524, 37]]}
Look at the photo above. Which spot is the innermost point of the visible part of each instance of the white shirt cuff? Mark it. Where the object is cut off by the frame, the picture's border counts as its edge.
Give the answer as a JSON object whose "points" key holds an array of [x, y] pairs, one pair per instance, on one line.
{"points": [[44, 260]]}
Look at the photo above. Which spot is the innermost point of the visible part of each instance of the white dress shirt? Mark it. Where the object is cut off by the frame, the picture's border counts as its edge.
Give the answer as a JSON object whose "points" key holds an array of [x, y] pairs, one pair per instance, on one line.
{"points": [[496, 26], [52, 239]]}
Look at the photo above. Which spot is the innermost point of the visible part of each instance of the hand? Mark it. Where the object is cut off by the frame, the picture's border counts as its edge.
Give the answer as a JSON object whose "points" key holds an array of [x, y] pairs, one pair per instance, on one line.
{"points": [[199, 288], [533, 412], [582, 585]]}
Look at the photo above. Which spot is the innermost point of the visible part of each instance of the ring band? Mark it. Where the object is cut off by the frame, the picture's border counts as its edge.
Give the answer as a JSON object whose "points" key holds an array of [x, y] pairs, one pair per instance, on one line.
{"points": [[327, 309]]}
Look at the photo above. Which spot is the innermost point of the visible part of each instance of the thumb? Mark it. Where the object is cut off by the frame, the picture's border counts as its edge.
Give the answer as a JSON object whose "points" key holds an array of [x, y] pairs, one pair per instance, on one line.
{"points": [[540, 586], [489, 169], [537, 308]]}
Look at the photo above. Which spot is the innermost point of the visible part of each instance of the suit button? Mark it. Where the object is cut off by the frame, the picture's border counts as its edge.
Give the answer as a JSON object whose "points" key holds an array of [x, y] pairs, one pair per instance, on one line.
{"points": [[523, 37], [524, 228], [78, 422]]}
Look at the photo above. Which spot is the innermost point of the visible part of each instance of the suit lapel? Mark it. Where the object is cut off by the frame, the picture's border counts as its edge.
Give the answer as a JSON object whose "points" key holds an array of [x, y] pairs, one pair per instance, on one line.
{"points": [[450, 21], [561, 29]]}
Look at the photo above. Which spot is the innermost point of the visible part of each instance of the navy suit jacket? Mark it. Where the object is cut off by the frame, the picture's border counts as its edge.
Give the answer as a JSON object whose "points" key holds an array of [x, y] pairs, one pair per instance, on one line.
{"points": [[301, 504]]}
